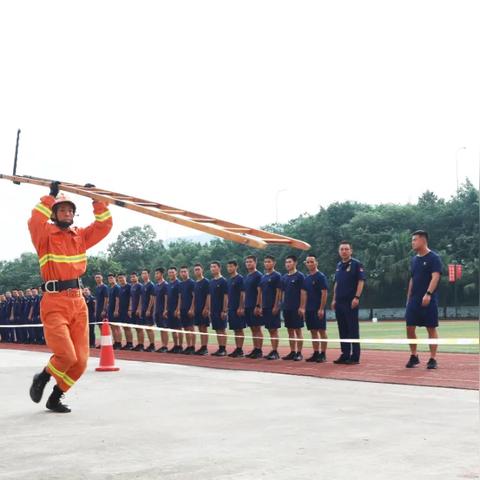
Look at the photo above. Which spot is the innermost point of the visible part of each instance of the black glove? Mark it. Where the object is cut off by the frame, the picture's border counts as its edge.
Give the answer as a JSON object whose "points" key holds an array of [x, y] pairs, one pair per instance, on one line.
{"points": [[89, 185], [54, 188]]}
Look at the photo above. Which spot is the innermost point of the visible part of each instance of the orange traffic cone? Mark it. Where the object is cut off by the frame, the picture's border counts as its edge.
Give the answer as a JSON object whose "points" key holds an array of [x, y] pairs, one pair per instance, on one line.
{"points": [[107, 360]]}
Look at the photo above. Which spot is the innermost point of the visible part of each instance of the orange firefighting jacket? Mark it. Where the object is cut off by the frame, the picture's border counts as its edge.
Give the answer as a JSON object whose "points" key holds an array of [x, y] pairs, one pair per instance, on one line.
{"points": [[62, 253]]}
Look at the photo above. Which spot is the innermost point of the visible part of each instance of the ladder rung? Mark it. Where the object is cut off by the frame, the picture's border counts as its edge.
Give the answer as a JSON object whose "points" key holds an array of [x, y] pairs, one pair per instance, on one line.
{"points": [[147, 204], [204, 220], [239, 229], [176, 212], [276, 240]]}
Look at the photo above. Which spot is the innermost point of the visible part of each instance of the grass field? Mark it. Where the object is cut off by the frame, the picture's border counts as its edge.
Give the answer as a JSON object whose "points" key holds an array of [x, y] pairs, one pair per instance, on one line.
{"points": [[447, 329]]}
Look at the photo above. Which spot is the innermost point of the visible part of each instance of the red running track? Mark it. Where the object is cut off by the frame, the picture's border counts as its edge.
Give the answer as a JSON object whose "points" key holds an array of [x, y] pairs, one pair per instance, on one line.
{"points": [[455, 370]]}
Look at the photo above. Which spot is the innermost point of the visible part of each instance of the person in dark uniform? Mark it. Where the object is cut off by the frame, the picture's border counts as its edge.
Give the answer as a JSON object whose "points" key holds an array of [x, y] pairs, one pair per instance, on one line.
{"points": [[27, 318], [113, 310], [200, 307], [172, 312], [90, 301], [235, 308], [292, 283], [101, 300], [148, 304], [9, 318], [186, 288], [348, 288], [136, 309], [3, 318], [314, 299], [37, 298], [218, 300], [253, 311], [422, 296], [17, 314], [160, 306], [124, 312], [271, 293]]}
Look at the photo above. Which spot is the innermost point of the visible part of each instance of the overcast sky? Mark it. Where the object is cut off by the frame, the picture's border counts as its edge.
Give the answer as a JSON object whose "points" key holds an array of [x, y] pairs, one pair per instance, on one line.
{"points": [[215, 106]]}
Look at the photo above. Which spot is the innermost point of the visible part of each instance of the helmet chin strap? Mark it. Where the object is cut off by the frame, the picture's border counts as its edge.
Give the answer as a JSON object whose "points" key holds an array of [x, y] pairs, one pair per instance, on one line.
{"points": [[63, 224]]}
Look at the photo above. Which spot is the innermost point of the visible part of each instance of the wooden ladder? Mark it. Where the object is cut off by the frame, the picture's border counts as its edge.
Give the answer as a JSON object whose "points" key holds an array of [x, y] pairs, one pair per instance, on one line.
{"points": [[252, 237]]}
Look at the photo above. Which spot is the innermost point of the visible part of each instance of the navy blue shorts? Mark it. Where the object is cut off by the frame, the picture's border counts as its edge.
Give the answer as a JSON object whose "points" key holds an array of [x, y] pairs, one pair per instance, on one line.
{"points": [[200, 320], [292, 319], [124, 318], [146, 320], [186, 320], [173, 321], [160, 320], [313, 322], [272, 322], [251, 319], [236, 322], [418, 316], [217, 321], [134, 320]]}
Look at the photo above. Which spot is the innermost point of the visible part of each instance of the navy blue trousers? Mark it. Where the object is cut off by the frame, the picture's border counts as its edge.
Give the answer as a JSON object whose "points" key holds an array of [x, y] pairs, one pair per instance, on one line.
{"points": [[348, 327]]}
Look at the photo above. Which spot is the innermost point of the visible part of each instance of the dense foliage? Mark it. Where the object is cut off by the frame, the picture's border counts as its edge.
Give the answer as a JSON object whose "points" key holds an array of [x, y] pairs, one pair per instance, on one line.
{"points": [[380, 235]]}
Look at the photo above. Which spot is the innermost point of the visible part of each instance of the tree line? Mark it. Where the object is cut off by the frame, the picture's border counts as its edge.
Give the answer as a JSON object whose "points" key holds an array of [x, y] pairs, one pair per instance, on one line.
{"points": [[380, 235]]}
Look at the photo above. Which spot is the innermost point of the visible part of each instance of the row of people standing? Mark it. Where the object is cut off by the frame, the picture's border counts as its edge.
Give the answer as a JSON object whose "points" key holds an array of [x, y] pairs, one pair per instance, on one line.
{"points": [[21, 308], [254, 300]]}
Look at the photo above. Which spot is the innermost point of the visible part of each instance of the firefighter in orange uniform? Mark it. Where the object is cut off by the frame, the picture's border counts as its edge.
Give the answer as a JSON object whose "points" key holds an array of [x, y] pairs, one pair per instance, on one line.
{"points": [[62, 255]]}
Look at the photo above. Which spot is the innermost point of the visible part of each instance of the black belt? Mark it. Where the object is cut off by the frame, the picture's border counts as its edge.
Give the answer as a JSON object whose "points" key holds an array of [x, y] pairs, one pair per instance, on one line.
{"points": [[54, 286]]}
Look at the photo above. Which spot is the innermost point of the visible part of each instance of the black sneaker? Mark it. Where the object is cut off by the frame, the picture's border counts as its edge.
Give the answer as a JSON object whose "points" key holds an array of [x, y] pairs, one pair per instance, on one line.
{"points": [[352, 361], [127, 346], [189, 351], [117, 346], [38, 385], [221, 352], [249, 355], [322, 358], [414, 360], [54, 401], [177, 349], [314, 357], [341, 361], [139, 348], [202, 351], [432, 364], [150, 348], [238, 352], [298, 357], [162, 350], [290, 356], [273, 355], [256, 353]]}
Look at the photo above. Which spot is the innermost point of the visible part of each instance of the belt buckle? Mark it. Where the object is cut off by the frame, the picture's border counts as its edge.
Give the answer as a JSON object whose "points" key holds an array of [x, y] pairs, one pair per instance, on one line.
{"points": [[52, 282]]}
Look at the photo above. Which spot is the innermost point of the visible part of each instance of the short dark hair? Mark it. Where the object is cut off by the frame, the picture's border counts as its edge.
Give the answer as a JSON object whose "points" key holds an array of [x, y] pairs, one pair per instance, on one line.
{"points": [[172, 268], [111, 275], [146, 270], [291, 257], [269, 257], [345, 242], [421, 233], [134, 273], [160, 269], [251, 257], [217, 263], [232, 262], [183, 267], [98, 274], [121, 274], [311, 255], [198, 265]]}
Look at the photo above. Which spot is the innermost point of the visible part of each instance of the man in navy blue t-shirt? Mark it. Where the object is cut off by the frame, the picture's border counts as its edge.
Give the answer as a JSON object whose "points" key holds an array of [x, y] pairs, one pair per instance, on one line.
{"points": [[101, 300], [136, 309], [253, 311], [124, 312], [113, 310], [172, 312], [236, 310], [200, 307], [422, 296], [349, 283], [148, 304], [218, 300], [314, 299], [271, 299], [292, 283], [160, 307], [186, 288]]}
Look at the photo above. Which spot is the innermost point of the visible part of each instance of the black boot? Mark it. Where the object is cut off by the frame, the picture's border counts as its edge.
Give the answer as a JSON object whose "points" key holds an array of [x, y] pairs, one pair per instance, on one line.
{"points": [[54, 404], [38, 385]]}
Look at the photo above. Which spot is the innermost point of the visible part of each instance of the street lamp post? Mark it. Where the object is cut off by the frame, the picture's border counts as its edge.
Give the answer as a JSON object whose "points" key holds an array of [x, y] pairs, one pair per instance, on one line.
{"points": [[277, 194], [456, 163]]}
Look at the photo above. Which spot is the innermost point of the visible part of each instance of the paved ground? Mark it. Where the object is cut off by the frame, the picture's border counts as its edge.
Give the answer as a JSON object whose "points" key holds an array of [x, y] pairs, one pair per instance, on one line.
{"points": [[153, 420], [455, 370]]}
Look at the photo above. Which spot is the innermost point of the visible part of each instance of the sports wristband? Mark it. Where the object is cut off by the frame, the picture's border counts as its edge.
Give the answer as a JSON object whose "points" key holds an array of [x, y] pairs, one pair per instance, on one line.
{"points": [[429, 293], [357, 297]]}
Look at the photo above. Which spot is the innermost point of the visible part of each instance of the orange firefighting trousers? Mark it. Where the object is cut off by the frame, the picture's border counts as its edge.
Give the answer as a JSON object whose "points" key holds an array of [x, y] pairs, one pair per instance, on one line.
{"points": [[65, 322]]}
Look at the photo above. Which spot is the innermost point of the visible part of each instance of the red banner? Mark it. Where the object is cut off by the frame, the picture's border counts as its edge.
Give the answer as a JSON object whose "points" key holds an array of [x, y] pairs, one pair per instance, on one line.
{"points": [[459, 271], [451, 272]]}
